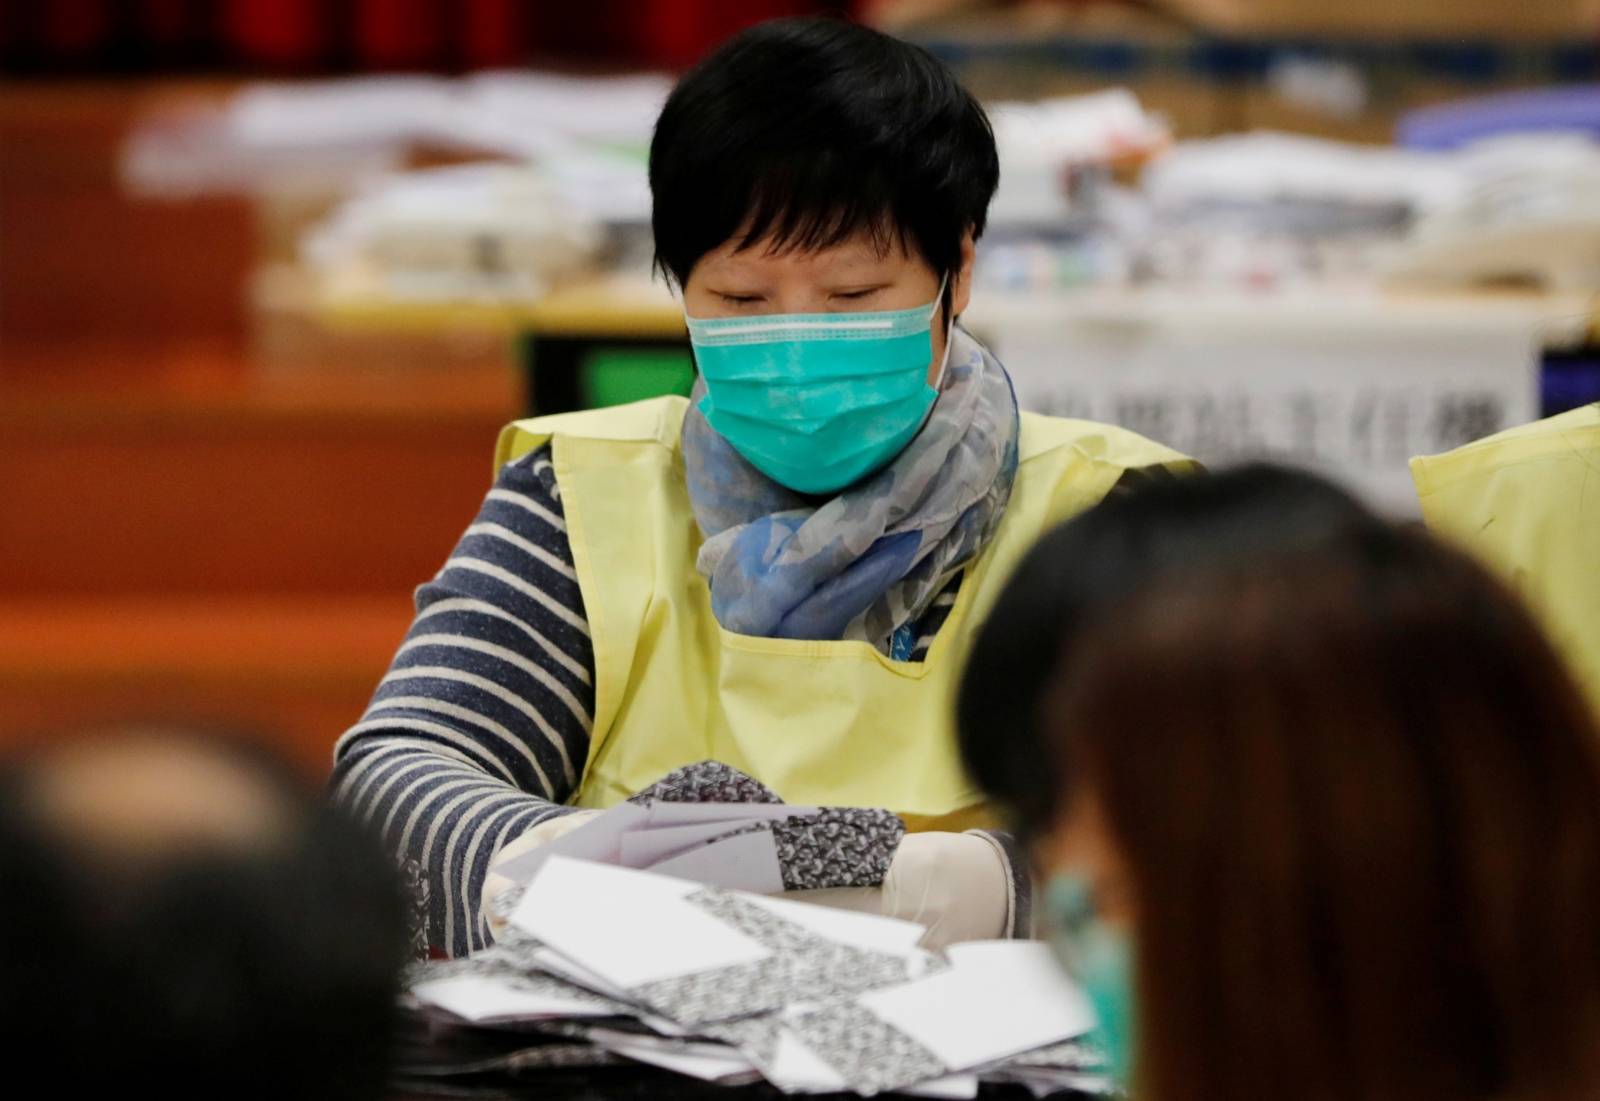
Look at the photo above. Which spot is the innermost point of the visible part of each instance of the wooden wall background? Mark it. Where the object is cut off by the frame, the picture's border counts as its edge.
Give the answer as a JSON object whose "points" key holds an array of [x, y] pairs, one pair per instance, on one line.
{"points": [[188, 534]]}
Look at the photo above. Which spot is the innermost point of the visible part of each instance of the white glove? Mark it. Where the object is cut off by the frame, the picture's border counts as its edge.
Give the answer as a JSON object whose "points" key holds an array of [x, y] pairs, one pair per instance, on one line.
{"points": [[957, 884], [542, 834]]}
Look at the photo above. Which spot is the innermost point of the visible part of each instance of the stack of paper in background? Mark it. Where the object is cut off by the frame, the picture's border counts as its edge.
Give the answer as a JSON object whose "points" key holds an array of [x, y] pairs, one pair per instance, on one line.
{"points": [[344, 132], [340, 170], [730, 986], [1528, 212], [575, 193], [461, 233], [1059, 220], [1271, 211]]}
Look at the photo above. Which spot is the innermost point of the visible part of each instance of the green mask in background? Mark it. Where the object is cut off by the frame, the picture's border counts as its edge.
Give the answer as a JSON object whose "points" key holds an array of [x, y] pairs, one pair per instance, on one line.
{"points": [[1101, 960]]}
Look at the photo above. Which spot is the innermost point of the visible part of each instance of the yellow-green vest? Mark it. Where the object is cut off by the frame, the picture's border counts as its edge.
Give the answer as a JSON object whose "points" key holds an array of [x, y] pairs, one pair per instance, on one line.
{"points": [[821, 723], [1527, 503]]}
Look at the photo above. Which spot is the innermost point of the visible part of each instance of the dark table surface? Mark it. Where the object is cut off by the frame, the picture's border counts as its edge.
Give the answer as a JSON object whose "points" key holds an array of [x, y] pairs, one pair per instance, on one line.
{"points": [[642, 1084], [438, 1062]]}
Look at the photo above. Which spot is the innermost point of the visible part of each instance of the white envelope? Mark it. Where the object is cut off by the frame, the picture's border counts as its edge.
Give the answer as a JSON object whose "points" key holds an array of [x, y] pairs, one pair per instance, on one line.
{"points": [[707, 1061], [746, 862], [796, 1068], [882, 934], [643, 847], [481, 998], [628, 927], [619, 835], [997, 999], [687, 814], [561, 967]]}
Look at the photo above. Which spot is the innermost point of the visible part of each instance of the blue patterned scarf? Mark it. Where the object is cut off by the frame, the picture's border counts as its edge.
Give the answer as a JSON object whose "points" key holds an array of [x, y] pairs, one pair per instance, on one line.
{"points": [[859, 565]]}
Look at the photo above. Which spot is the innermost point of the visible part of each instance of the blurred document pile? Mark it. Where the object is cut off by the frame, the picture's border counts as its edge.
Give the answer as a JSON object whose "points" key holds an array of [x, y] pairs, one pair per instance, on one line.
{"points": [[1504, 188], [1094, 194], [1268, 211], [490, 187], [316, 134], [600, 963], [1061, 218]]}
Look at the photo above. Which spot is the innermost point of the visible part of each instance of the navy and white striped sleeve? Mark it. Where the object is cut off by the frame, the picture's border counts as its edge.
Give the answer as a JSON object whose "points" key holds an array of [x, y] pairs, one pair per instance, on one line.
{"points": [[481, 727]]}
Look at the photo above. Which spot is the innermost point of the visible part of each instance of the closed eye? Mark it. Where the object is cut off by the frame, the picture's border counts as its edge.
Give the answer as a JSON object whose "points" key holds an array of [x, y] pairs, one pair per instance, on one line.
{"points": [[739, 299], [851, 296]]}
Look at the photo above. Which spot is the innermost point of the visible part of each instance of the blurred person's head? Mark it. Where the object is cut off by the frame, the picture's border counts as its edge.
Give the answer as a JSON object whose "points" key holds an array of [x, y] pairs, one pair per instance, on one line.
{"points": [[1328, 826], [185, 913], [1087, 563], [817, 166]]}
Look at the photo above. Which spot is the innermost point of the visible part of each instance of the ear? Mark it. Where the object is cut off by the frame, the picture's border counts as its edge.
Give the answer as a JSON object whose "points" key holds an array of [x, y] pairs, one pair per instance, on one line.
{"points": [[961, 285]]}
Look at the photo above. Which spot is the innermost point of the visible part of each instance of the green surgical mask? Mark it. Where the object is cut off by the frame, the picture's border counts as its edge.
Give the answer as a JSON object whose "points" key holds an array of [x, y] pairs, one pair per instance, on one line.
{"points": [[817, 401], [1100, 959]]}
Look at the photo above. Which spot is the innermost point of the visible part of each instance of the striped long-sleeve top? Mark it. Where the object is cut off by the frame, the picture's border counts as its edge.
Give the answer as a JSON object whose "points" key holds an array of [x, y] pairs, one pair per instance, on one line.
{"points": [[480, 729]]}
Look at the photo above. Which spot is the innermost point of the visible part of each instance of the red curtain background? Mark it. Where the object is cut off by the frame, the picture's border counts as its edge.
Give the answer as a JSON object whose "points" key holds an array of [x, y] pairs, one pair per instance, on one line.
{"points": [[45, 37]]}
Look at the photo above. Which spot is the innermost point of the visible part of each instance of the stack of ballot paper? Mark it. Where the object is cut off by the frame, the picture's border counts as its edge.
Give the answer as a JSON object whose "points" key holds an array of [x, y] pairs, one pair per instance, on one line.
{"points": [[731, 986]]}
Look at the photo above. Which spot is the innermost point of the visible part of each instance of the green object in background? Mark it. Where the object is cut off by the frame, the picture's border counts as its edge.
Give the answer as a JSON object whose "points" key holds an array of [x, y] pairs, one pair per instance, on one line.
{"points": [[616, 376]]}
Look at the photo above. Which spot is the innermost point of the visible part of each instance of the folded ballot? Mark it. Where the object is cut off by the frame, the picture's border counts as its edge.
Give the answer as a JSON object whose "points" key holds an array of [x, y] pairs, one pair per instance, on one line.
{"points": [[713, 824], [732, 986]]}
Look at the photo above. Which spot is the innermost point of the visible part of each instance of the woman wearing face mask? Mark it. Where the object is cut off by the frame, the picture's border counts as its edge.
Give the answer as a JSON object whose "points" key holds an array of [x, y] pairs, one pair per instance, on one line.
{"points": [[1326, 815], [781, 572]]}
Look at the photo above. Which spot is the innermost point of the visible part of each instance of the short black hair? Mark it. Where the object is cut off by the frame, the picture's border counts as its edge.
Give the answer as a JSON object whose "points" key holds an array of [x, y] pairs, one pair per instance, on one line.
{"points": [[247, 971], [1137, 536], [807, 131]]}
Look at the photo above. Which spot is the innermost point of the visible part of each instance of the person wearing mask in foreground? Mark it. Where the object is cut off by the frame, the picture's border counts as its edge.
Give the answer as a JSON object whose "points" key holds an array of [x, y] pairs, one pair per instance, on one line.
{"points": [[1326, 815]]}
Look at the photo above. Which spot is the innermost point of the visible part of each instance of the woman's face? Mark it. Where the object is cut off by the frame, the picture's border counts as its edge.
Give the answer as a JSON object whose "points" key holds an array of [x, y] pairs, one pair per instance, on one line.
{"points": [[850, 277]]}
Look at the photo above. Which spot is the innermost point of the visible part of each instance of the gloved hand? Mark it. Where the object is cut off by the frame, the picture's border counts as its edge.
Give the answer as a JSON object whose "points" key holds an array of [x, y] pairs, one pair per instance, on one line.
{"points": [[957, 884], [542, 834]]}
